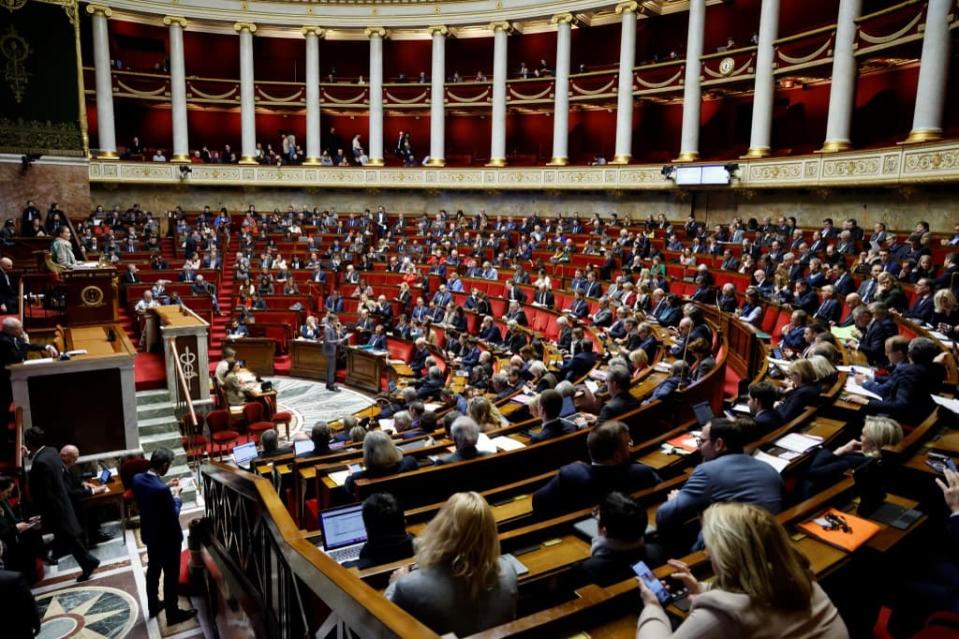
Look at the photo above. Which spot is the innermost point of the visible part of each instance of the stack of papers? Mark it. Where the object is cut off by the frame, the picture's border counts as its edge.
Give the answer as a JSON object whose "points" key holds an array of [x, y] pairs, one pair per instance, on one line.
{"points": [[946, 402], [485, 445], [783, 364], [522, 398], [856, 389], [507, 443], [798, 443], [339, 476], [592, 386], [776, 462]]}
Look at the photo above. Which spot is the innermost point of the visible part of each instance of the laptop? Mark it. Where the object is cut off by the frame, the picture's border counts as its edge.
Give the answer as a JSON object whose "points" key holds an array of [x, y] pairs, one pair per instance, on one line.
{"points": [[244, 454], [344, 532], [303, 447], [703, 412]]}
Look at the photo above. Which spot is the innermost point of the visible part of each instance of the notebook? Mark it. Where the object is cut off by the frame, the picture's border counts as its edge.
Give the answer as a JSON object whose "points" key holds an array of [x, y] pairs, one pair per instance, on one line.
{"points": [[857, 532]]}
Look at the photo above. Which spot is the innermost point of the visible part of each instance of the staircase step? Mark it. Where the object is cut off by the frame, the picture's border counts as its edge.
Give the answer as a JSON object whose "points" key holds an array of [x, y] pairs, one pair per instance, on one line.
{"points": [[158, 409], [158, 425], [157, 396], [168, 439]]}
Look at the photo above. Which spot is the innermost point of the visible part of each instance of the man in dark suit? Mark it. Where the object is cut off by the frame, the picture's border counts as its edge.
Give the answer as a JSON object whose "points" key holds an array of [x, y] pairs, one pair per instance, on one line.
{"points": [[551, 404], [762, 397], [620, 399], [9, 288], [544, 297], [579, 485], [432, 386], [830, 310], [513, 292], [465, 433], [725, 474], [13, 350], [517, 314], [580, 364], [159, 505], [378, 339], [842, 280], [923, 308], [331, 339], [50, 498], [873, 342]]}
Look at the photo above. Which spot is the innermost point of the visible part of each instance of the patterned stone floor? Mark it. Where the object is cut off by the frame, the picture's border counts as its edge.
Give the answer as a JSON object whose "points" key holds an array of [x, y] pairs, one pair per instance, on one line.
{"points": [[309, 402]]}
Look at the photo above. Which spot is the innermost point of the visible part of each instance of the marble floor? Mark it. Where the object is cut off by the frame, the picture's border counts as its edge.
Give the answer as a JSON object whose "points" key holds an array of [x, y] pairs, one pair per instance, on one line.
{"points": [[310, 402]]}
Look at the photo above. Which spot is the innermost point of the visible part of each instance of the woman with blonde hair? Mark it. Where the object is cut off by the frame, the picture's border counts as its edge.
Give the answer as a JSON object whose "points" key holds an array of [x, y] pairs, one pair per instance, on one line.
{"points": [[462, 585], [764, 587], [803, 390], [486, 415], [945, 316], [639, 360]]}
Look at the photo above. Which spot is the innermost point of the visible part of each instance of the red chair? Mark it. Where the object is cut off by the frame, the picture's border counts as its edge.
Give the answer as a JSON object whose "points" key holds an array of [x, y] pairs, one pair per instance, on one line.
{"points": [[283, 418], [128, 469], [253, 415], [221, 435]]}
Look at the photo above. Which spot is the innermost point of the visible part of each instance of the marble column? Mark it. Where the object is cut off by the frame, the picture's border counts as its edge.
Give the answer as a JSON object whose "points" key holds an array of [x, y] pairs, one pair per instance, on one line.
{"points": [[564, 30], [247, 101], [312, 35], [933, 73], [692, 92], [760, 142], [624, 96], [376, 35], [181, 144], [437, 97], [843, 88], [497, 153], [106, 129]]}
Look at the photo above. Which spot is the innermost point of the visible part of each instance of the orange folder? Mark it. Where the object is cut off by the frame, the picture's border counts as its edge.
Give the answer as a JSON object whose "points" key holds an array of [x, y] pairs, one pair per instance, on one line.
{"points": [[858, 530]]}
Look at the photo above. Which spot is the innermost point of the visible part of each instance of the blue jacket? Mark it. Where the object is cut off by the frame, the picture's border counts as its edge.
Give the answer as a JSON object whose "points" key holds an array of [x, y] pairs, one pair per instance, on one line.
{"points": [[795, 402], [159, 511], [733, 477], [579, 485]]}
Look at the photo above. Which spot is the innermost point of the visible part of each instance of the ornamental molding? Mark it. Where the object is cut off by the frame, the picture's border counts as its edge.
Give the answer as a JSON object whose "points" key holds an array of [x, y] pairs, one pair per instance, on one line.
{"points": [[935, 162]]}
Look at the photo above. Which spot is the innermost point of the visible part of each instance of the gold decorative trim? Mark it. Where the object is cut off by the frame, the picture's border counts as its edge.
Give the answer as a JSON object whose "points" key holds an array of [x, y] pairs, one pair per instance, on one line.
{"points": [[240, 27], [621, 158], [94, 9], [756, 152], [374, 31], [181, 158], [631, 6], [248, 160], [918, 136], [558, 161], [835, 146], [496, 162], [172, 20], [375, 162], [311, 160], [438, 162], [562, 18], [319, 32], [438, 29], [500, 24], [687, 156], [15, 51], [107, 155]]}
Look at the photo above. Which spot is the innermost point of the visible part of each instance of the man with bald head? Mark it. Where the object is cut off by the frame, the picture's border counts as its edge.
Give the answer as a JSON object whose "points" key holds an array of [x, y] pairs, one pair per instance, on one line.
{"points": [[80, 490], [9, 288], [14, 346]]}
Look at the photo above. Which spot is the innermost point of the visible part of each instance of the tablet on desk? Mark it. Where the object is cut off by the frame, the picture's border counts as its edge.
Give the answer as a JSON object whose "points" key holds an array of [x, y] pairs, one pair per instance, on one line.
{"points": [[105, 476]]}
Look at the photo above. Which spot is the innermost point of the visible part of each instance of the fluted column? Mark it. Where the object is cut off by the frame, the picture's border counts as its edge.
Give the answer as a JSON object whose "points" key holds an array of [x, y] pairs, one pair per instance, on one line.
{"points": [[692, 93], [437, 97], [497, 153], [106, 129], [564, 26], [181, 139], [376, 35], [624, 96], [247, 101], [312, 35], [843, 87], [933, 71], [765, 87]]}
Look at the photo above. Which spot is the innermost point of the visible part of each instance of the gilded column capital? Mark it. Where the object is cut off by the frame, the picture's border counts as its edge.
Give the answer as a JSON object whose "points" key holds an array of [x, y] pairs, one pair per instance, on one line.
{"points": [[240, 27], [171, 20], [502, 25], [563, 18], [94, 9], [317, 31], [438, 29], [375, 31], [623, 7]]}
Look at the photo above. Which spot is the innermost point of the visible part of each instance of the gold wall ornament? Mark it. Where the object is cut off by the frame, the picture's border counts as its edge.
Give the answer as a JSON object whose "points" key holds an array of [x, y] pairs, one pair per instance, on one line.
{"points": [[15, 52], [13, 5], [44, 138], [92, 296], [375, 31], [563, 18]]}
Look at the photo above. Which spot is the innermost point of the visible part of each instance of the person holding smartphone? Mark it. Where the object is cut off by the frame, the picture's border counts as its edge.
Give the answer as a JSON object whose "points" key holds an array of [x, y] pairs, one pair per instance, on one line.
{"points": [[21, 539], [764, 587]]}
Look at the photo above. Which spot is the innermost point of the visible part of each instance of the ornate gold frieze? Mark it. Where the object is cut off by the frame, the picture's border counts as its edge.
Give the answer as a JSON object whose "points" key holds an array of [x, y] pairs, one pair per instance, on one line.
{"points": [[43, 138]]}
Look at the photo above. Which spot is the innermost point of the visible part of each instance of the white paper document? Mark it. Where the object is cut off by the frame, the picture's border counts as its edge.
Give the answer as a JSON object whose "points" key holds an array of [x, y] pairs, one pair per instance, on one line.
{"points": [[772, 460], [507, 443], [798, 443]]}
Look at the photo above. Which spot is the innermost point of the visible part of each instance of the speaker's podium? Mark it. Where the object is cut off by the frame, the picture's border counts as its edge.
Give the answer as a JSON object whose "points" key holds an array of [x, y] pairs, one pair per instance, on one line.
{"points": [[88, 400], [90, 292]]}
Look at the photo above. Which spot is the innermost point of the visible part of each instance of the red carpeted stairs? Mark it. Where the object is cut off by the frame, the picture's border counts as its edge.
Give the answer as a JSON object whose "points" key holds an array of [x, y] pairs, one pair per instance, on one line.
{"points": [[224, 296]]}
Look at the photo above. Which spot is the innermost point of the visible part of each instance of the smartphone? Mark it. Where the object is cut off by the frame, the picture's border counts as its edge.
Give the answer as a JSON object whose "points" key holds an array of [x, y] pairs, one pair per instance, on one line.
{"points": [[643, 572]]}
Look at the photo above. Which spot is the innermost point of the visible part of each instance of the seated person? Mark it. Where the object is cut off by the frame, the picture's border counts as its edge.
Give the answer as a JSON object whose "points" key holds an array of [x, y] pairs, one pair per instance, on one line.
{"points": [[270, 445], [803, 390], [619, 382], [910, 398], [432, 387], [377, 340], [667, 389], [386, 537], [465, 433], [311, 330], [827, 467], [579, 364], [21, 539], [233, 388], [619, 545], [381, 458], [320, 435], [578, 485], [761, 400], [551, 404], [725, 474]]}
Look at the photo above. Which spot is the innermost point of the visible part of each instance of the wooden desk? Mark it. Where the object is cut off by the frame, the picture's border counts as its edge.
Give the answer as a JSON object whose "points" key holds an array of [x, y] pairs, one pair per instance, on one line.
{"points": [[256, 352], [113, 496], [91, 295], [88, 400], [364, 369], [307, 359]]}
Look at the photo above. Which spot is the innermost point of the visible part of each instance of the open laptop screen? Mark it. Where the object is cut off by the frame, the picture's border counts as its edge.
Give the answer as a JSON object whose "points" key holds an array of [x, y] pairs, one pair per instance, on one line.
{"points": [[303, 446], [244, 453], [342, 526], [703, 412]]}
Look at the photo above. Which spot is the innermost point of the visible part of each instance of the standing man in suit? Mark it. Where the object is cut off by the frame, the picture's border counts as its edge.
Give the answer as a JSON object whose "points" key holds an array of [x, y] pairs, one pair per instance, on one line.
{"points": [[725, 474], [14, 346], [159, 504], [48, 491], [9, 288], [331, 339]]}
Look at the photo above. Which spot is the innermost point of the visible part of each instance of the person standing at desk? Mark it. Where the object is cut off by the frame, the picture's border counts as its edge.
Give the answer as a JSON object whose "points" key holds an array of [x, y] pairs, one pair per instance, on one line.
{"points": [[331, 339], [60, 249], [14, 346]]}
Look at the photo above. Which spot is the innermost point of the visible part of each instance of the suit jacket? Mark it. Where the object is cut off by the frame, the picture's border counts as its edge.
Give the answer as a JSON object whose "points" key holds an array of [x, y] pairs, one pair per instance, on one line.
{"points": [[732, 477], [873, 342], [579, 485], [9, 291], [616, 406], [577, 366], [492, 335], [844, 285], [49, 494], [545, 298], [922, 309], [795, 402], [13, 350], [159, 511], [768, 420], [377, 342], [594, 290], [829, 311], [555, 428], [330, 340], [909, 398]]}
